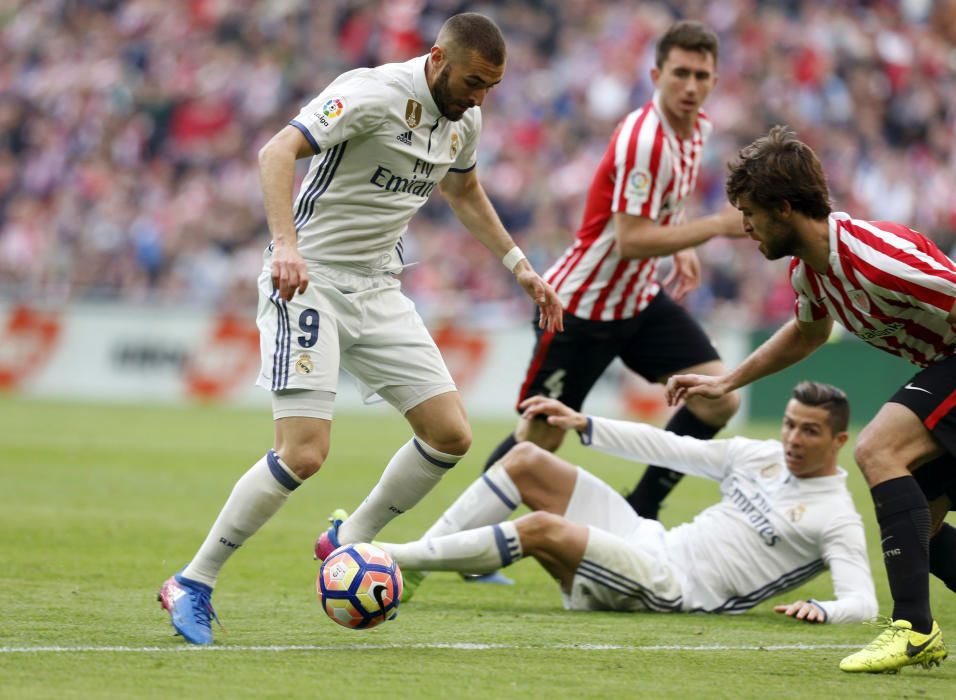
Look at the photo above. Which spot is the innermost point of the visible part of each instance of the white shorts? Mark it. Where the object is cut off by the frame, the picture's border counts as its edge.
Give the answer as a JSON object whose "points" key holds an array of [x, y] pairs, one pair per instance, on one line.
{"points": [[625, 565], [363, 324]]}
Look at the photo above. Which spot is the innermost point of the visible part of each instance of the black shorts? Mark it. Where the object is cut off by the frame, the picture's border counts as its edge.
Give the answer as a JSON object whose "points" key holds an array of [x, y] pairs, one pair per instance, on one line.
{"points": [[931, 395], [659, 341]]}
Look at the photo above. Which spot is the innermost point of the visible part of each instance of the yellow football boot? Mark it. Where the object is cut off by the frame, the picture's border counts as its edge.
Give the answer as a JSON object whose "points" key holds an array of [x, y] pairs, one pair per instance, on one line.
{"points": [[897, 646]]}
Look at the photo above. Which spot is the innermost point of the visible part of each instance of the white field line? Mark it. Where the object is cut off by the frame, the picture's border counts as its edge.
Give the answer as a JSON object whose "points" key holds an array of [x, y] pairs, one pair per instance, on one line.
{"points": [[458, 646]]}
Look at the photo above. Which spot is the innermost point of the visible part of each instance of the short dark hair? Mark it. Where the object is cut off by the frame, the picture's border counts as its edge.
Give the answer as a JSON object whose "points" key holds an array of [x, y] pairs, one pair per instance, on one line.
{"points": [[689, 35], [827, 397], [779, 168], [470, 31]]}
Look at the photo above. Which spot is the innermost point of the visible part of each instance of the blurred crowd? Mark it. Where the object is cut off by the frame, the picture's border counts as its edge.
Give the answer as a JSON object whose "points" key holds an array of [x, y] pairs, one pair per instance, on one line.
{"points": [[129, 132]]}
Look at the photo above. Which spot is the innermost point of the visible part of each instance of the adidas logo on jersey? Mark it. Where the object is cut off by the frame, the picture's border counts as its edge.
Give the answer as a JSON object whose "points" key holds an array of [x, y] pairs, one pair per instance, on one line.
{"points": [[406, 138]]}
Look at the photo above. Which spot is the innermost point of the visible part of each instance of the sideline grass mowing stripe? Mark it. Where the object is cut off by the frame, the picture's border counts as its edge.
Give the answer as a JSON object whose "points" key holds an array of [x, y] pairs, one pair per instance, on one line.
{"points": [[458, 646]]}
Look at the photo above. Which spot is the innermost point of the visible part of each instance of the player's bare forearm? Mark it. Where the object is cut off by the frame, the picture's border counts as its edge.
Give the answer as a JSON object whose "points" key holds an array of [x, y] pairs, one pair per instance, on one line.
{"points": [[790, 344], [471, 205], [639, 237], [277, 175]]}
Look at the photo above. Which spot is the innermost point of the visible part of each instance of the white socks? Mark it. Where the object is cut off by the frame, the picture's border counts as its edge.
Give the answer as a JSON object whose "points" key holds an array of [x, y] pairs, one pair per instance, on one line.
{"points": [[255, 498], [412, 472], [489, 500], [476, 551]]}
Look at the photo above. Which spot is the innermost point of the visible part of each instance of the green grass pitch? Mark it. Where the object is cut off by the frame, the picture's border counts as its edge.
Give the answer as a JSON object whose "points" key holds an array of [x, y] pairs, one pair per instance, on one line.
{"points": [[98, 504]]}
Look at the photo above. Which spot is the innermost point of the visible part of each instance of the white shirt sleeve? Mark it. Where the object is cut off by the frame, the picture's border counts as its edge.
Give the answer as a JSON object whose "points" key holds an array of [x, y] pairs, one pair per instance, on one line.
{"points": [[350, 106], [844, 550], [644, 443]]}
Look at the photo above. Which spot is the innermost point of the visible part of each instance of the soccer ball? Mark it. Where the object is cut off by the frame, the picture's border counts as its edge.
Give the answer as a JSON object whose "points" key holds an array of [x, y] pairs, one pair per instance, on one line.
{"points": [[359, 586]]}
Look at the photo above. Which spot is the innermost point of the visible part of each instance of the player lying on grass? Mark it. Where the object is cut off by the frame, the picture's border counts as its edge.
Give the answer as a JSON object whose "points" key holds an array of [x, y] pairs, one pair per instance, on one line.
{"points": [[785, 515], [895, 290]]}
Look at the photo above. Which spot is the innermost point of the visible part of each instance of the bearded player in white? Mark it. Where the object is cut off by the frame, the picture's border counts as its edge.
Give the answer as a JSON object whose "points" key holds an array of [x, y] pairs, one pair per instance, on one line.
{"points": [[785, 516], [381, 140]]}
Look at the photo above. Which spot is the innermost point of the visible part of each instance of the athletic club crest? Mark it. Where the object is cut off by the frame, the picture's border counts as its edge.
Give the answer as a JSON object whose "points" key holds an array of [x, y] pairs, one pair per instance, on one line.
{"points": [[860, 300], [413, 113]]}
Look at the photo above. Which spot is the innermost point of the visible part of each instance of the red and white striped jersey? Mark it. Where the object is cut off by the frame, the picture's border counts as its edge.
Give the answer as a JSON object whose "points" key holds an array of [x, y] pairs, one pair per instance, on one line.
{"points": [[885, 283], [647, 171]]}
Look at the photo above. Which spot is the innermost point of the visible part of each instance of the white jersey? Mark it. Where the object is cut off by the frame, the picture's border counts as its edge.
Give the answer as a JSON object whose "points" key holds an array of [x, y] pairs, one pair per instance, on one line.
{"points": [[770, 532], [382, 147]]}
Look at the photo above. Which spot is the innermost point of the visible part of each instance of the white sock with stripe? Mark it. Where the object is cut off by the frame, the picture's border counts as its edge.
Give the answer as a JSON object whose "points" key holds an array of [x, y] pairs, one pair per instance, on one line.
{"points": [[475, 551], [256, 497], [411, 473], [490, 499]]}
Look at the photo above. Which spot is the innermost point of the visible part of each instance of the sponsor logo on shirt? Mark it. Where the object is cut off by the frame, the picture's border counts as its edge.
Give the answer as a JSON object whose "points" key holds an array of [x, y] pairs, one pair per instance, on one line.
{"points": [[753, 506], [413, 113], [386, 179], [881, 332]]}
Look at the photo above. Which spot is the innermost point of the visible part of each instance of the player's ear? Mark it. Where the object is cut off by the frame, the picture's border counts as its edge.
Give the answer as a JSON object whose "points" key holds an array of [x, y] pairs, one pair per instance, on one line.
{"points": [[438, 56], [655, 75]]}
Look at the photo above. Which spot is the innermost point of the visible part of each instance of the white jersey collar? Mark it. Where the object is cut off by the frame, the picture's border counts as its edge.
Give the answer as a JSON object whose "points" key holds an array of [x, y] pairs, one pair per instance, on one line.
{"points": [[422, 91]]}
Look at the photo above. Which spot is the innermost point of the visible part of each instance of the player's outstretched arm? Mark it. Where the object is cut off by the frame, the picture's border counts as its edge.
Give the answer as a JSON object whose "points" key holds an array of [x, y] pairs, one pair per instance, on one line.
{"points": [[277, 176], [793, 342], [805, 610], [471, 205], [639, 237]]}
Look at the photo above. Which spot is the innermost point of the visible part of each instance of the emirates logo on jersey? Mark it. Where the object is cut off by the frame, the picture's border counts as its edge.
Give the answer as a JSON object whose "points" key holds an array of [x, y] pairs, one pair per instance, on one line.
{"points": [[860, 300]]}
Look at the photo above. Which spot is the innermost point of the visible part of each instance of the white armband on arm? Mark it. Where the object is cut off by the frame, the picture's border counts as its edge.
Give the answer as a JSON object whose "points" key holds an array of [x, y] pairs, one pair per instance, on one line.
{"points": [[512, 258]]}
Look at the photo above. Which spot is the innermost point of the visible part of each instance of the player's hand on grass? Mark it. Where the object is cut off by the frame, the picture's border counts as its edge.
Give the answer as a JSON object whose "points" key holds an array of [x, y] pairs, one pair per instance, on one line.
{"points": [[803, 610], [552, 315], [684, 276], [557, 414], [289, 272], [681, 387]]}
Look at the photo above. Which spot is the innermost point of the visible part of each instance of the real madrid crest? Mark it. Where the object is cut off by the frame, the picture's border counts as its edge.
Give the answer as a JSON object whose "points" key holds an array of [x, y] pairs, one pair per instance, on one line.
{"points": [[455, 144], [413, 113], [796, 513], [304, 364]]}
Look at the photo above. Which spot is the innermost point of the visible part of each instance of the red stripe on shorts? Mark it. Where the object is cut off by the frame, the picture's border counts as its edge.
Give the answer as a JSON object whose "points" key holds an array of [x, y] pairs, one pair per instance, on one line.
{"points": [[536, 363], [948, 403]]}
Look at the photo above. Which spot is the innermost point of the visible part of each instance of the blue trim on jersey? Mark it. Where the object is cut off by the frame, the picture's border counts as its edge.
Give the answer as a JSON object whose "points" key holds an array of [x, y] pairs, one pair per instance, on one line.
{"points": [[319, 186], [503, 549], [280, 358], [308, 135], [429, 458], [819, 607], [320, 183], [463, 170], [498, 492], [280, 474], [789, 580], [629, 587]]}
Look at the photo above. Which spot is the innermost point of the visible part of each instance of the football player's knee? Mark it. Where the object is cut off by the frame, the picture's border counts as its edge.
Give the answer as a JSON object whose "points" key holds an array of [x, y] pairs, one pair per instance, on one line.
{"points": [[727, 406], [304, 460], [867, 454], [521, 458], [453, 441], [540, 528]]}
